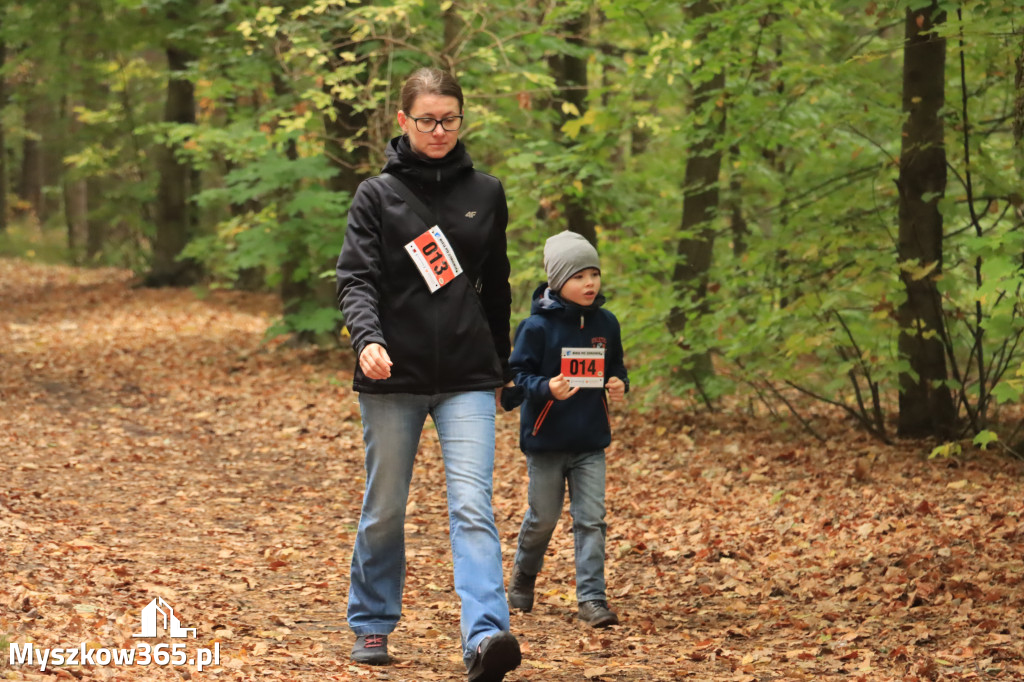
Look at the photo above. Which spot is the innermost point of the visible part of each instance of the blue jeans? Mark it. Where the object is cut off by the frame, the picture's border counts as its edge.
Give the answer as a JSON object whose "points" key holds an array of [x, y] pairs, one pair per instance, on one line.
{"points": [[392, 424], [548, 474]]}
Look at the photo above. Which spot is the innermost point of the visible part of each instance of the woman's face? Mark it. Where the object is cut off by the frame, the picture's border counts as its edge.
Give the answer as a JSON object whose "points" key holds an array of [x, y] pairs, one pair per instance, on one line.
{"points": [[438, 142]]}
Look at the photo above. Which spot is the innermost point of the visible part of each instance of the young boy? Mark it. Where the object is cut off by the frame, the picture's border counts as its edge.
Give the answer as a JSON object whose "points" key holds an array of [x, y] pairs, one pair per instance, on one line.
{"points": [[565, 356]]}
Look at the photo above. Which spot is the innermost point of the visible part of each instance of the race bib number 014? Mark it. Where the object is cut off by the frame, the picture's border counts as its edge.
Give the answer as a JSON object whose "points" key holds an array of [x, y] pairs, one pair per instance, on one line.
{"points": [[583, 367], [434, 258]]}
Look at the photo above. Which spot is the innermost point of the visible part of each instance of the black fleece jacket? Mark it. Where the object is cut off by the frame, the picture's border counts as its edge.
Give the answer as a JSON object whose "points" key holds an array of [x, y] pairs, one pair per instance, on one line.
{"points": [[457, 338]]}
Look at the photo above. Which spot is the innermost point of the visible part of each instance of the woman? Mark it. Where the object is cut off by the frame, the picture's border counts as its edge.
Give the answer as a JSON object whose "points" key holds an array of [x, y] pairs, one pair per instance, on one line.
{"points": [[428, 312]]}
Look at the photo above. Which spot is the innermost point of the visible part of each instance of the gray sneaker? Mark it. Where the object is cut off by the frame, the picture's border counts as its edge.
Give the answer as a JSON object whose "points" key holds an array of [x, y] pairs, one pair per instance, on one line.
{"points": [[371, 650], [520, 589], [596, 614]]}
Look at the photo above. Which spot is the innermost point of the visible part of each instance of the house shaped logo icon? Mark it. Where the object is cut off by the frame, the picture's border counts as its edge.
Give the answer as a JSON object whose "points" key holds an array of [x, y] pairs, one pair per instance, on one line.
{"points": [[151, 618]]}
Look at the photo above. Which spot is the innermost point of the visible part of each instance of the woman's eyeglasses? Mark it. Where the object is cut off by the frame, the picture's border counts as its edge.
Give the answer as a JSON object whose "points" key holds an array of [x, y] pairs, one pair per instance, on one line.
{"points": [[426, 124]]}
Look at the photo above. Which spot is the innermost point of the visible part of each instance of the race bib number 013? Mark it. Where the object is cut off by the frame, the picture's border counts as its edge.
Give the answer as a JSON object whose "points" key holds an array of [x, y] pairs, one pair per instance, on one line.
{"points": [[434, 258], [583, 367]]}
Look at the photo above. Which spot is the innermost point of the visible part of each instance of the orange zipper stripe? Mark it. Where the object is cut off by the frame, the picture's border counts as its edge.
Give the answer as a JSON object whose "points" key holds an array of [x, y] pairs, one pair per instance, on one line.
{"points": [[541, 416]]}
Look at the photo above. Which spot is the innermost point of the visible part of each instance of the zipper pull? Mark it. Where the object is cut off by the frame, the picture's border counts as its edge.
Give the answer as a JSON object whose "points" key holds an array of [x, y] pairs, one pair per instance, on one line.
{"points": [[581, 320]]}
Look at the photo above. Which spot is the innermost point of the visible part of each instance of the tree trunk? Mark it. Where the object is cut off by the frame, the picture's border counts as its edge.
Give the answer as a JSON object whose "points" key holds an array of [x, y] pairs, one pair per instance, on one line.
{"points": [[700, 207], [251, 278], [96, 95], [30, 183], [1018, 109], [925, 404], [732, 205], [294, 292], [351, 167], [40, 157], [3, 139], [72, 190], [738, 225], [95, 229], [175, 218], [350, 124], [351, 163], [76, 212], [570, 73], [452, 28], [1018, 121]]}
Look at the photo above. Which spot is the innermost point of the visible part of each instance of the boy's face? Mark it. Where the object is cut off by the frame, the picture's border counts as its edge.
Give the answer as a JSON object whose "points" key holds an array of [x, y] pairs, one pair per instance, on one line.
{"points": [[583, 287]]}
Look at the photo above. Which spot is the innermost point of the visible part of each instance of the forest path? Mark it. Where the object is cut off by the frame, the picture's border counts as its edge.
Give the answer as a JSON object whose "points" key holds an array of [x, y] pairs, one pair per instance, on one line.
{"points": [[152, 445]]}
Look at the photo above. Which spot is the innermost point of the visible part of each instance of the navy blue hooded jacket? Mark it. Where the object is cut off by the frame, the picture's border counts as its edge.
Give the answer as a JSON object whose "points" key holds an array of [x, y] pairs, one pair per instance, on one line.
{"points": [[579, 423]]}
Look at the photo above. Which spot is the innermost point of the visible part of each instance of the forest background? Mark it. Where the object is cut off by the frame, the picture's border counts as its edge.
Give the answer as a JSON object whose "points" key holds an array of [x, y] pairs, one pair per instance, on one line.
{"points": [[801, 203], [809, 214]]}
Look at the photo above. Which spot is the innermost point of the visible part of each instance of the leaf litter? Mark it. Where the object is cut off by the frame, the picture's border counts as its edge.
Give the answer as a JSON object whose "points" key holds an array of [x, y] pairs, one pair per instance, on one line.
{"points": [[153, 444]]}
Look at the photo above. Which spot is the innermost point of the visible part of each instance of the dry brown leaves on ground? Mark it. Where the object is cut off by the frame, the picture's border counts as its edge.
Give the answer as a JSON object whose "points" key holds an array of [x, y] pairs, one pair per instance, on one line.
{"points": [[154, 446]]}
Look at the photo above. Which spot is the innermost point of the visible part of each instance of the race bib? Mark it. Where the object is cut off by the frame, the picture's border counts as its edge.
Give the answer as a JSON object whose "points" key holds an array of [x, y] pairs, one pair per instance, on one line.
{"points": [[583, 367], [434, 258]]}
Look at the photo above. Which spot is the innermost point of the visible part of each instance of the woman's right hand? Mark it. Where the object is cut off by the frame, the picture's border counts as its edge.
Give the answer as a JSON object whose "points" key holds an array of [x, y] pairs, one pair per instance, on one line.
{"points": [[375, 362]]}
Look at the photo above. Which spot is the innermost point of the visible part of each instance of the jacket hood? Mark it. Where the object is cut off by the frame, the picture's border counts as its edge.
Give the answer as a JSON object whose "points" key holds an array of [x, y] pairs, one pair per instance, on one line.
{"points": [[403, 161], [547, 302]]}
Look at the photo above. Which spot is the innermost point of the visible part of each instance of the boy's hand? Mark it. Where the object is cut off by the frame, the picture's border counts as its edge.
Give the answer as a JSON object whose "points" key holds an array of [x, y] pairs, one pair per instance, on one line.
{"points": [[616, 389], [560, 389]]}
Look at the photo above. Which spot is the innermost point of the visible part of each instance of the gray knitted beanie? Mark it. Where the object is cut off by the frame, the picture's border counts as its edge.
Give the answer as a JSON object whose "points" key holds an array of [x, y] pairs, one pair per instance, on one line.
{"points": [[565, 254]]}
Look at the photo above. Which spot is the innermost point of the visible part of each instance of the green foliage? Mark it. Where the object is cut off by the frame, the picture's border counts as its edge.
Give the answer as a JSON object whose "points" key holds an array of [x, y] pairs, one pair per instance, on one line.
{"points": [[806, 306], [24, 239], [299, 222], [984, 438], [954, 449], [804, 285], [309, 317], [946, 451]]}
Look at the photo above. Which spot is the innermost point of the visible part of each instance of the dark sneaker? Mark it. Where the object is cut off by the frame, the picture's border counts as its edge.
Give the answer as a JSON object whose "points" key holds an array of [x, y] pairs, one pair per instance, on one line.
{"points": [[596, 614], [520, 589], [497, 655], [371, 650]]}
